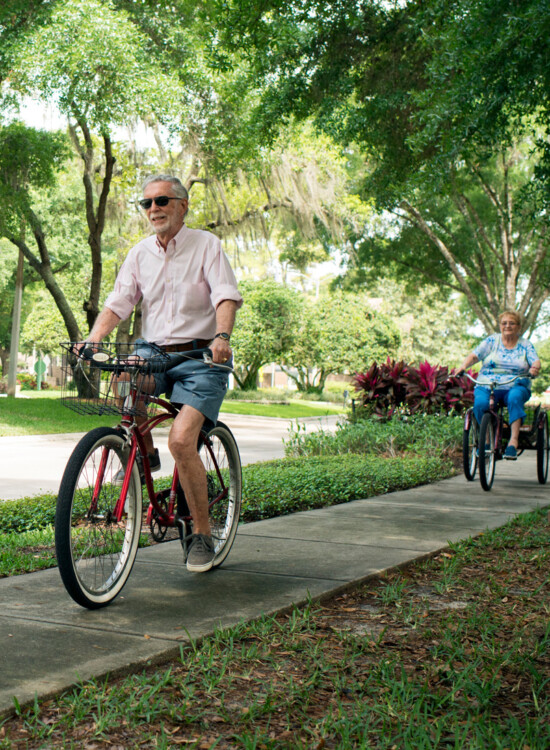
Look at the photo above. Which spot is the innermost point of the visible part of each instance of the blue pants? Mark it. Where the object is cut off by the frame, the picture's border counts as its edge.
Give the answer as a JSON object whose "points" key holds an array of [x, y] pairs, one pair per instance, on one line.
{"points": [[513, 398]]}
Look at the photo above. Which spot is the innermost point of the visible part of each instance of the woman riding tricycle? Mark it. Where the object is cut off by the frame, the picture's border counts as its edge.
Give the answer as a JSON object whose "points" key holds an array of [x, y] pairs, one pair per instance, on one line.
{"points": [[509, 362]]}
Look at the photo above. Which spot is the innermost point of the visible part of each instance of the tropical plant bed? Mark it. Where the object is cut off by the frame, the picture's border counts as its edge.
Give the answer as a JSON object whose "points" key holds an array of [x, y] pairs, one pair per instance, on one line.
{"points": [[453, 652]]}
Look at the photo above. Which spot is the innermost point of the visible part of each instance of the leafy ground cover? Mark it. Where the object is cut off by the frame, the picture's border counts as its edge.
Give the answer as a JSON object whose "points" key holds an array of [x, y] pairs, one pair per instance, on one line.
{"points": [[449, 653], [270, 489]]}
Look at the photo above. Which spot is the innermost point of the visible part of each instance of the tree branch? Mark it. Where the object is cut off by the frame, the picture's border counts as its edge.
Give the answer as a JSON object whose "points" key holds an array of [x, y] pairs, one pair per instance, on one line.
{"points": [[416, 218]]}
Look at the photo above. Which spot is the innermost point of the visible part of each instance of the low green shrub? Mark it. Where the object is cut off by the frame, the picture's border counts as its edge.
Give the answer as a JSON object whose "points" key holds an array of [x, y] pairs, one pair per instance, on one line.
{"points": [[422, 433], [27, 514], [275, 488]]}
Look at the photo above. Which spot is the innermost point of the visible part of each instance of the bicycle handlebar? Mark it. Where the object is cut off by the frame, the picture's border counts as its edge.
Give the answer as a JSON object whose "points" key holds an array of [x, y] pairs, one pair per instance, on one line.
{"points": [[462, 373], [160, 362]]}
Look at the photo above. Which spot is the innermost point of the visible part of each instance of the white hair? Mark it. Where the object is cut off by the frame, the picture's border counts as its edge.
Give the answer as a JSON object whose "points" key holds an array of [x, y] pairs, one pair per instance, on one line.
{"points": [[180, 191]]}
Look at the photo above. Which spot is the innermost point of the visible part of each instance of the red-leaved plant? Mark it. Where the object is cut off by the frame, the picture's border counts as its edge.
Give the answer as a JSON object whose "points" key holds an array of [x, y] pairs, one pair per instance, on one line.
{"points": [[382, 387], [428, 389]]}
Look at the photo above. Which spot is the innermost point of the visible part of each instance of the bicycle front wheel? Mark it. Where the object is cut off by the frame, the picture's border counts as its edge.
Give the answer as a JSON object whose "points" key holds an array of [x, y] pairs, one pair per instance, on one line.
{"points": [[95, 551], [220, 456], [542, 448], [469, 446], [487, 451]]}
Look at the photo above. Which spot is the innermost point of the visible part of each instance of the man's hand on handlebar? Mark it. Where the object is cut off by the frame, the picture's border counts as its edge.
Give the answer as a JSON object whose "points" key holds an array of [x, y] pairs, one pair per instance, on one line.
{"points": [[221, 351], [85, 349]]}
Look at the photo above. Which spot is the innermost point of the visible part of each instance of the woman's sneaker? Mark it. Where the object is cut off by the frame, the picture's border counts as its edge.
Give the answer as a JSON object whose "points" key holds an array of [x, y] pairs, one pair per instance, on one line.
{"points": [[201, 553], [510, 454]]}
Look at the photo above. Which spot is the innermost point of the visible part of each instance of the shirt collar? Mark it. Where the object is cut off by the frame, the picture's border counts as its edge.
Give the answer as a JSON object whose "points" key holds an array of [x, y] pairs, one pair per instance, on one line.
{"points": [[174, 242]]}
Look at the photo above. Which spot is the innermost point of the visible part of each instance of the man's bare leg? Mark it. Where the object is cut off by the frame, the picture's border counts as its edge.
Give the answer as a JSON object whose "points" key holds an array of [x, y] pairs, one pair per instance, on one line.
{"points": [[182, 443]]}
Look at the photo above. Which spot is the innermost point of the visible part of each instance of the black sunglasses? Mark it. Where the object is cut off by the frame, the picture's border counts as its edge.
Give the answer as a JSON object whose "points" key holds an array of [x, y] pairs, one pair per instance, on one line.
{"points": [[160, 200]]}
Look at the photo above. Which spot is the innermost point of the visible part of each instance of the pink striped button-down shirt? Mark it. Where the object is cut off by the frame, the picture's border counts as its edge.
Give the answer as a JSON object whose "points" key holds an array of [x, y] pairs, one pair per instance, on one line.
{"points": [[181, 287]]}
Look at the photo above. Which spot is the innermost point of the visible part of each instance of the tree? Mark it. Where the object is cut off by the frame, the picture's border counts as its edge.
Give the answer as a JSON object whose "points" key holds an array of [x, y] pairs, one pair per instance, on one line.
{"points": [[338, 333], [8, 267], [265, 329], [44, 327], [29, 160], [432, 327], [489, 76], [91, 61], [541, 383], [389, 78], [477, 236]]}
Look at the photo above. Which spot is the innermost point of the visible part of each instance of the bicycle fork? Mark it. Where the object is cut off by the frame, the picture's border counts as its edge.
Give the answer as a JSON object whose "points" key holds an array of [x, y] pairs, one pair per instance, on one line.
{"points": [[120, 505]]}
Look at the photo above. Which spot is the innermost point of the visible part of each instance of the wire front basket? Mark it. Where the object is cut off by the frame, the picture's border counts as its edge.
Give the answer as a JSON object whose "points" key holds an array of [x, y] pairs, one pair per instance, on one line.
{"points": [[113, 378]]}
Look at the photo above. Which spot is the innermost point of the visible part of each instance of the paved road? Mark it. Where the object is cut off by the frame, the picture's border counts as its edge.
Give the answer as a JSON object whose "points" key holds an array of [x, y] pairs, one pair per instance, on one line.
{"points": [[32, 465]]}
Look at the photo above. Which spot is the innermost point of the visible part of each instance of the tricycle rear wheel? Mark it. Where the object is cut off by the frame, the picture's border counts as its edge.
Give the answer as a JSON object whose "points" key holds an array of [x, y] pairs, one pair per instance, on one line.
{"points": [[542, 448]]}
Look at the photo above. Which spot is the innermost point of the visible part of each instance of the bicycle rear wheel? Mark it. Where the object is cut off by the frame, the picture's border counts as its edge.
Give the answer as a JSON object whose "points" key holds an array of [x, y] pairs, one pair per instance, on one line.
{"points": [[95, 552], [469, 446], [542, 448], [220, 456], [487, 451]]}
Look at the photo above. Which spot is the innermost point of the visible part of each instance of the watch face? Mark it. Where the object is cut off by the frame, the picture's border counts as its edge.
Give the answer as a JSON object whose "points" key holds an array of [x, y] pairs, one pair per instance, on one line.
{"points": [[224, 336]]}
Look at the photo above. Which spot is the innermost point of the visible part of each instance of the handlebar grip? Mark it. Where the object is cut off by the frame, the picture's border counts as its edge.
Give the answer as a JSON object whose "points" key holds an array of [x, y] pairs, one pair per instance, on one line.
{"points": [[176, 359], [460, 373]]}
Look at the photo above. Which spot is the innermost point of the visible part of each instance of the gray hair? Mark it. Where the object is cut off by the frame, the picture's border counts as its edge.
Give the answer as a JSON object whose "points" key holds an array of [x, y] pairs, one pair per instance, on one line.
{"points": [[179, 190]]}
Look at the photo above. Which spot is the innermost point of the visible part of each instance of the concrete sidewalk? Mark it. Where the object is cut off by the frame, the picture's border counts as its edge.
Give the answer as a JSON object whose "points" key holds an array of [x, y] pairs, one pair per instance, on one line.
{"points": [[49, 643]]}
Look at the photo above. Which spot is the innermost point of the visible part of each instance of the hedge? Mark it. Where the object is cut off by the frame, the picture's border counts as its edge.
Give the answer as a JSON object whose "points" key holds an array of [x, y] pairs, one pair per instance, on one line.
{"points": [[275, 488]]}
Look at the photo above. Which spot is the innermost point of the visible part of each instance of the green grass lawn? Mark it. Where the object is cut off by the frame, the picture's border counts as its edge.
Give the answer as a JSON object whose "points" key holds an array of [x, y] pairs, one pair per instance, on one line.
{"points": [[447, 653], [43, 414]]}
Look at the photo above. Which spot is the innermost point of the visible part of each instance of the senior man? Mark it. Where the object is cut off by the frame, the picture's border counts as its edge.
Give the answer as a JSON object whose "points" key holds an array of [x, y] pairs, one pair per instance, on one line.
{"points": [[189, 299]]}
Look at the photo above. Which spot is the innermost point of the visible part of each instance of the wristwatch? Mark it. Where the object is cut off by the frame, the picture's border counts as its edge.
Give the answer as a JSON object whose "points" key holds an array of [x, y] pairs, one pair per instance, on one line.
{"points": [[223, 335]]}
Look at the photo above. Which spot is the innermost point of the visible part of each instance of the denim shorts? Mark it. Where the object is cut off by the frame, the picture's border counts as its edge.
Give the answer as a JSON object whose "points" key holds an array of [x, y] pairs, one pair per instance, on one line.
{"points": [[191, 382]]}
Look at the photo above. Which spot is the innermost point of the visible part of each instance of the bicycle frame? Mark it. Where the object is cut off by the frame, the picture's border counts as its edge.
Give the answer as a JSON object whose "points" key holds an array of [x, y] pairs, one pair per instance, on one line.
{"points": [[131, 393], [496, 411], [136, 433]]}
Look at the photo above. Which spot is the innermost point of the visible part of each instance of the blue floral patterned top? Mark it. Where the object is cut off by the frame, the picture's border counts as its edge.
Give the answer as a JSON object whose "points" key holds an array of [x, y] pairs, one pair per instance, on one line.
{"points": [[500, 363]]}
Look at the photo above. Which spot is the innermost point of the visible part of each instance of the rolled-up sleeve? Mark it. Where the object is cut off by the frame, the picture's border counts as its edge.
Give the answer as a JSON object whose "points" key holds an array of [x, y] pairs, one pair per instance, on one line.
{"points": [[220, 276], [127, 291]]}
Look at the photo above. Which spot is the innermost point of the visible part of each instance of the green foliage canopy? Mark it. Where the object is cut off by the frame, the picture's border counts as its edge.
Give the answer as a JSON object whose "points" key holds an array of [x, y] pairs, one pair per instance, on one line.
{"points": [[407, 82], [92, 62]]}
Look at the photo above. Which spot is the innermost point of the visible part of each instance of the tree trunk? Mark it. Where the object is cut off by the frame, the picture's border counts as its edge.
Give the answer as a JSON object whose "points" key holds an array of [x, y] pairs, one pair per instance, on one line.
{"points": [[44, 269], [95, 218]]}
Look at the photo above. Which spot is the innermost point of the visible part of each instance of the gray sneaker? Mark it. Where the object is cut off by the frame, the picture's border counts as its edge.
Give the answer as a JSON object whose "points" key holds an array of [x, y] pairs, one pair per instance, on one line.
{"points": [[201, 553]]}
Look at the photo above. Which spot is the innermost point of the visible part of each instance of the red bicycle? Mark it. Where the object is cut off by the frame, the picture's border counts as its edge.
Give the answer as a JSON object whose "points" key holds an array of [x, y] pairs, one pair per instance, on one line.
{"points": [[483, 445], [99, 514]]}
